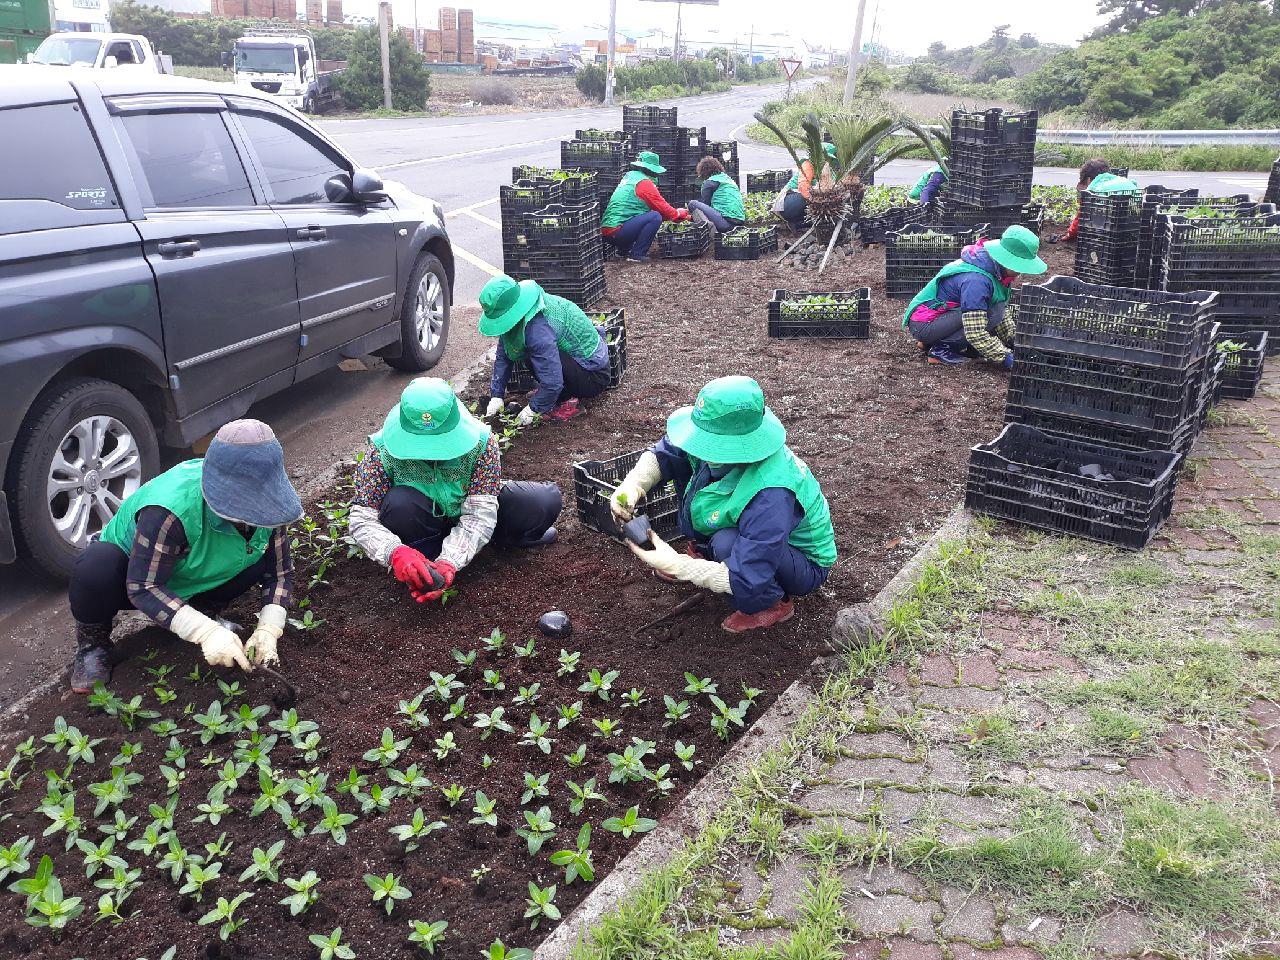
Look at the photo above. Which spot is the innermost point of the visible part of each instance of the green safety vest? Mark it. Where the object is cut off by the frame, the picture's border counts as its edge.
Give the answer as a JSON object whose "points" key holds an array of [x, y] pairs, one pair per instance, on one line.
{"points": [[445, 482], [718, 505], [623, 202], [1109, 183], [216, 550], [575, 334], [924, 181], [728, 198], [929, 295]]}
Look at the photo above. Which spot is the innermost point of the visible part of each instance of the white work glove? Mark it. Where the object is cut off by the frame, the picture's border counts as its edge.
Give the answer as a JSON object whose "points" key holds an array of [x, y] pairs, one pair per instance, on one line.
{"points": [[495, 407], [706, 574], [261, 646], [221, 647], [642, 478], [526, 416]]}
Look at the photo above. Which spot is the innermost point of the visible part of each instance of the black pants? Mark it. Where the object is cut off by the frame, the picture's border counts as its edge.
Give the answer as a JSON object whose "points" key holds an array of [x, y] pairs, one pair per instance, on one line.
{"points": [[97, 591], [948, 328], [579, 383], [794, 207], [526, 510]]}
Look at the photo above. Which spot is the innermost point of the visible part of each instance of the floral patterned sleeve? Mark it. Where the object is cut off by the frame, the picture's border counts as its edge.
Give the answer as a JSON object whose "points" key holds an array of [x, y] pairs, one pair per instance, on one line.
{"points": [[486, 478], [372, 482]]}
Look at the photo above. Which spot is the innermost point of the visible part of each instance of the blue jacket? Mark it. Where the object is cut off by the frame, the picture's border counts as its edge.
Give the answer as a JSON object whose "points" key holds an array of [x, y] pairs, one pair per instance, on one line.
{"points": [[544, 361], [972, 291]]}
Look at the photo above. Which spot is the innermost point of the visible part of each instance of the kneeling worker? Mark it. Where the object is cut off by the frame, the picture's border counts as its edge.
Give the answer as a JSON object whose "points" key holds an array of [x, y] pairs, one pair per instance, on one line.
{"points": [[199, 535], [721, 201], [637, 208], [963, 307], [564, 349], [759, 526], [429, 493]]}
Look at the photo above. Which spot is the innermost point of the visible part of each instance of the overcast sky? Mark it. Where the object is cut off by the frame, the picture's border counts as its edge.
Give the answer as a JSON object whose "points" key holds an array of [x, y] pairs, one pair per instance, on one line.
{"points": [[909, 25]]}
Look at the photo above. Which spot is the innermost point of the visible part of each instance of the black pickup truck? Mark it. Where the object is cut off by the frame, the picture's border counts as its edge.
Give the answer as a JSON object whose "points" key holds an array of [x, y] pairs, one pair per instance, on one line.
{"points": [[172, 251]]}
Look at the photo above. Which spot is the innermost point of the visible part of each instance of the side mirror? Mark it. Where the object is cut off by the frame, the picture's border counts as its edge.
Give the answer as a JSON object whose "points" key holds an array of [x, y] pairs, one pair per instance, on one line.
{"points": [[224, 58], [366, 186], [337, 189], [109, 62]]}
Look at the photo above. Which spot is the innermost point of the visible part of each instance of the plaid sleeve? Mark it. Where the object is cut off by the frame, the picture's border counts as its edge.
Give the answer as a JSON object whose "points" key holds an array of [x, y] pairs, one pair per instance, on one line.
{"points": [[1005, 331], [372, 482], [277, 585], [159, 542], [486, 478], [975, 332]]}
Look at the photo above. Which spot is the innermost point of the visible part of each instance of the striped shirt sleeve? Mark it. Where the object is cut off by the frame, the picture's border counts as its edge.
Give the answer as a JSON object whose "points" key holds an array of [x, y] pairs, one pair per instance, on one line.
{"points": [[277, 585], [975, 332], [159, 542]]}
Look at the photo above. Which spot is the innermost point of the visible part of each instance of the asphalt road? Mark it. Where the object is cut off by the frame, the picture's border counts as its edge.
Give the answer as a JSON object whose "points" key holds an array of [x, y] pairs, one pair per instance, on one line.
{"points": [[460, 162]]}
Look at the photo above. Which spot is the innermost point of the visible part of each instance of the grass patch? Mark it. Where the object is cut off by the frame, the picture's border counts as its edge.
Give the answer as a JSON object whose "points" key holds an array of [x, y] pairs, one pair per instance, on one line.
{"points": [[1118, 731], [1249, 159]]}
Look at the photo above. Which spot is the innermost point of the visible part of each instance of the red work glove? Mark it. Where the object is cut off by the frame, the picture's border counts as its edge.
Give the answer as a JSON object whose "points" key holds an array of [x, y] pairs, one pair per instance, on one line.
{"points": [[411, 567], [681, 214], [444, 571]]}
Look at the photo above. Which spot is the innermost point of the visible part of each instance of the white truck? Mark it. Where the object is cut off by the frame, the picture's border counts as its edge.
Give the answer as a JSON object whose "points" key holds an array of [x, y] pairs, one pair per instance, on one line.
{"points": [[286, 66], [100, 51]]}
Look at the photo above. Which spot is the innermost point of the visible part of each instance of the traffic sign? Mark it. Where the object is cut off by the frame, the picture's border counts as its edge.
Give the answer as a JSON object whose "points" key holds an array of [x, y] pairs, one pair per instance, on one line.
{"points": [[790, 66]]}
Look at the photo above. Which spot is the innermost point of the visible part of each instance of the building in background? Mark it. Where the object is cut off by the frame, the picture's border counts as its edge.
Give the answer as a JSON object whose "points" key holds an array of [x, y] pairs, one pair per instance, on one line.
{"points": [[82, 16]]}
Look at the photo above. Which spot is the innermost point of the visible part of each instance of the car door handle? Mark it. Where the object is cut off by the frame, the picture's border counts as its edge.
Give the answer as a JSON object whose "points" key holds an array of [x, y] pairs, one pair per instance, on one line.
{"points": [[312, 233], [177, 248]]}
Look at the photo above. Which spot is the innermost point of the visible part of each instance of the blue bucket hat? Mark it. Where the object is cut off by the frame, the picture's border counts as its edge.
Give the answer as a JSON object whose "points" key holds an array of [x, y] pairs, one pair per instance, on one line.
{"points": [[244, 480]]}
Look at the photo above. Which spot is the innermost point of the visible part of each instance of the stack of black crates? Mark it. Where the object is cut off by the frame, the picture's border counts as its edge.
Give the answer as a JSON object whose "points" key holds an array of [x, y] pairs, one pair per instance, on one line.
{"points": [[1107, 239], [990, 171], [603, 152], [551, 232], [1110, 387], [679, 148], [1273, 185], [766, 181]]}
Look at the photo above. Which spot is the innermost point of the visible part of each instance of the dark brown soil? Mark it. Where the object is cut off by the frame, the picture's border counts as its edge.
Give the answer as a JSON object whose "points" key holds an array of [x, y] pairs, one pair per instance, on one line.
{"points": [[888, 437]]}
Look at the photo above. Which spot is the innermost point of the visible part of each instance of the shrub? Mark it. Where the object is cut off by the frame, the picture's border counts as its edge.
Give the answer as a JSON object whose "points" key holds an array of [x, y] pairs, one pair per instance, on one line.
{"points": [[492, 91], [361, 84]]}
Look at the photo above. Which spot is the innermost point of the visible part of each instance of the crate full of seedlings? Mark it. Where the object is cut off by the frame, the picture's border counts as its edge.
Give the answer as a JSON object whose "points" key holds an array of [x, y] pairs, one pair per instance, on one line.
{"points": [[819, 316], [563, 225], [594, 133], [613, 327], [1107, 241], [746, 243], [876, 227], [607, 156], [593, 484], [683, 239], [1158, 201], [1119, 497], [577, 186], [1148, 328], [525, 196], [914, 255], [1244, 354], [766, 181]]}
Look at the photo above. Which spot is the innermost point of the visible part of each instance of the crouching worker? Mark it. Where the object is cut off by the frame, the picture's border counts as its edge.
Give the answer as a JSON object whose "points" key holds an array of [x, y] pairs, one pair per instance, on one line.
{"points": [[636, 209], [758, 524], [429, 493], [963, 307], [191, 540], [721, 201], [564, 349], [793, 202], [929, 185]]}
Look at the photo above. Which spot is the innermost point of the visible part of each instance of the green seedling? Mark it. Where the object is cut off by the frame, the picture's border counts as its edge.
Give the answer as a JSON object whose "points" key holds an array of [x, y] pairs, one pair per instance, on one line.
{"points": [[465, 660], [305, 893], [386, 890], [199, 876], [453, 793], [540, 904], [13, 858], [539, 830], [726, 717], [456, 709], [377, 800], [606, 728], [534, 786], [568, 662], [224, 913], [445, 746], [334, 822], [528, 695], [493, 681], [633, 698], [629, 766], [265, 867], [684, 753], [444, 685], [486, 723], [412, 713], [485, 811], [582, 795], [629, 823], [388, 749], [100, 856], [353, 784], [499, 951], [568, 713], [696, 685], [119, 827], [577, 861], [599, 683], [331, 946], [536, 736], [426, 935], [412, 781], [416, 830], [527, 649], [494, 642], [577, 758]]}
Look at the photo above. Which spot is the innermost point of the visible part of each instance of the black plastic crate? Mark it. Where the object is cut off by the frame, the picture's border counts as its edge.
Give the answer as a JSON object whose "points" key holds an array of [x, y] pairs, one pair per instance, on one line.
{"points": [[847, 315], [692, 239], [613, 327], [972, 160], [577, 186], [953, 216], [648, 116], [1179, 439], [993, 127], [1242, 370], [1210, 387], [1157, 200], [726, 151], [1122, 394], [593, 484], [1107, 261], [1148, 328], [1241, 245], [1031, 477], [597, 134], [746, 243], [1107, 242], [691, 147], [606, 155], [585, 291], [876, 228], [767, 181], [914, 255], [987, 192], [562, 225]]}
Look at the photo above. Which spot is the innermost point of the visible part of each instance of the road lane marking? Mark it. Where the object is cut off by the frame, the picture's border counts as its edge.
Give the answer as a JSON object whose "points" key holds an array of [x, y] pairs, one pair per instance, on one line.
{"points": [[467, 153], [473, 206], [483, 219], [475, 261]]}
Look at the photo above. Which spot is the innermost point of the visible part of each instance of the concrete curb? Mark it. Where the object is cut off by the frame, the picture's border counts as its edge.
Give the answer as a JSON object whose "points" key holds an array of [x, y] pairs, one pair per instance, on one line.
{"points": [[711, 793]]}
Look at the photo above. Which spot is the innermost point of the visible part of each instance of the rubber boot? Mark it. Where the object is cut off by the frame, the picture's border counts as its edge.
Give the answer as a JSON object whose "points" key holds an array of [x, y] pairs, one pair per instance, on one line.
{"points": [[92, 663], [780, 612]]}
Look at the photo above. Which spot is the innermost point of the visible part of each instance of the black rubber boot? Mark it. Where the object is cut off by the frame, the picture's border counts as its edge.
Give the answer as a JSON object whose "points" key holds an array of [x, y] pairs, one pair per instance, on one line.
{"points": [[92, 663]]}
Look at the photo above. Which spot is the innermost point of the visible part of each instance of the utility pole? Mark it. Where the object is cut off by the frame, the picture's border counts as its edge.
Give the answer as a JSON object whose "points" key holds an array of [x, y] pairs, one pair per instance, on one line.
{"points": [[676, 50], [417, 35], [855, 51], [612, 55], [751, 49], [384, 42]]}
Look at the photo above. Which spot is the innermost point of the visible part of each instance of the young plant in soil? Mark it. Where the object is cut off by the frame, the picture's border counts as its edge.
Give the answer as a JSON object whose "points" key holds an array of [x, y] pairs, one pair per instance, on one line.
{"points": [[412, 781], [453, 794], [540, 904], [305, 893], [629, 823], [427, 935], [582, 795], [534, 786], [568, 662], [539, 828], [536, 735], [265, 867], [485, 811], [224, 913], [599, 683], [331, 946], [499, 951], [386, 890], [677, 710], [577, 758], [577, 861], [487, 723], [412, 834]]}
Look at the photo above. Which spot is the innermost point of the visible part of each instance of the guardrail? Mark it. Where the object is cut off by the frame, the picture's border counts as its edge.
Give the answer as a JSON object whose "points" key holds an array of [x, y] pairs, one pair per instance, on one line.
{"points": [[1160, 138]]}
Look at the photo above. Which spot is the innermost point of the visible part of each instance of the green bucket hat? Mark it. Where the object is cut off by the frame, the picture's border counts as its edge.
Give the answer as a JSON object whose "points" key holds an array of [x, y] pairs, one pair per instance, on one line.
{"points": [[729, 423], [429, 423], [504, 303], [1018, 250], [648, 160]]}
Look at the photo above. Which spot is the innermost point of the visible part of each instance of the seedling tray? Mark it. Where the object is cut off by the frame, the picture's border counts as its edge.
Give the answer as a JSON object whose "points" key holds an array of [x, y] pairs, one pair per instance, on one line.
{"points": [[1026, 476], [577, 186], [1242, 369], [846, 315], [767, 181], [593, 484], [914, 255], [597, 134], [993, 127], [691, 241], [1069, 316], [598, 155], [746, 243], [613, 327]]}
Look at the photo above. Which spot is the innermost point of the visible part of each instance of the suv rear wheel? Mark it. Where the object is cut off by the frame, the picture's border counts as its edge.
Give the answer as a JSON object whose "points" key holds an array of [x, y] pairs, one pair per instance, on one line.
{"points": [[86, 446], [424, 316]]}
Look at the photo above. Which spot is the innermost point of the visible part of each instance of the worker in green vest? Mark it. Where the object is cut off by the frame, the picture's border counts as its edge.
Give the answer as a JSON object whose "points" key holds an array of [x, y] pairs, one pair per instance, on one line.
{"points": [[185, 545], [792, 204], [720, 203], [636, 209], [759, 527], [929, 185], [562, 347]]}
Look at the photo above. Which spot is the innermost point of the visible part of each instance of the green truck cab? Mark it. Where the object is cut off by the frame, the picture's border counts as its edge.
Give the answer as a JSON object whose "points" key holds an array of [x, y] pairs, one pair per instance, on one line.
{"points": [[23, 24]]}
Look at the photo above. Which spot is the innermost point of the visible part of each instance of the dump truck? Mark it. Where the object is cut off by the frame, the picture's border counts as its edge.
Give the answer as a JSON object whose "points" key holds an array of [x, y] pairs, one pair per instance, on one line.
{"points": [[23, 24], [285, 65]]}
